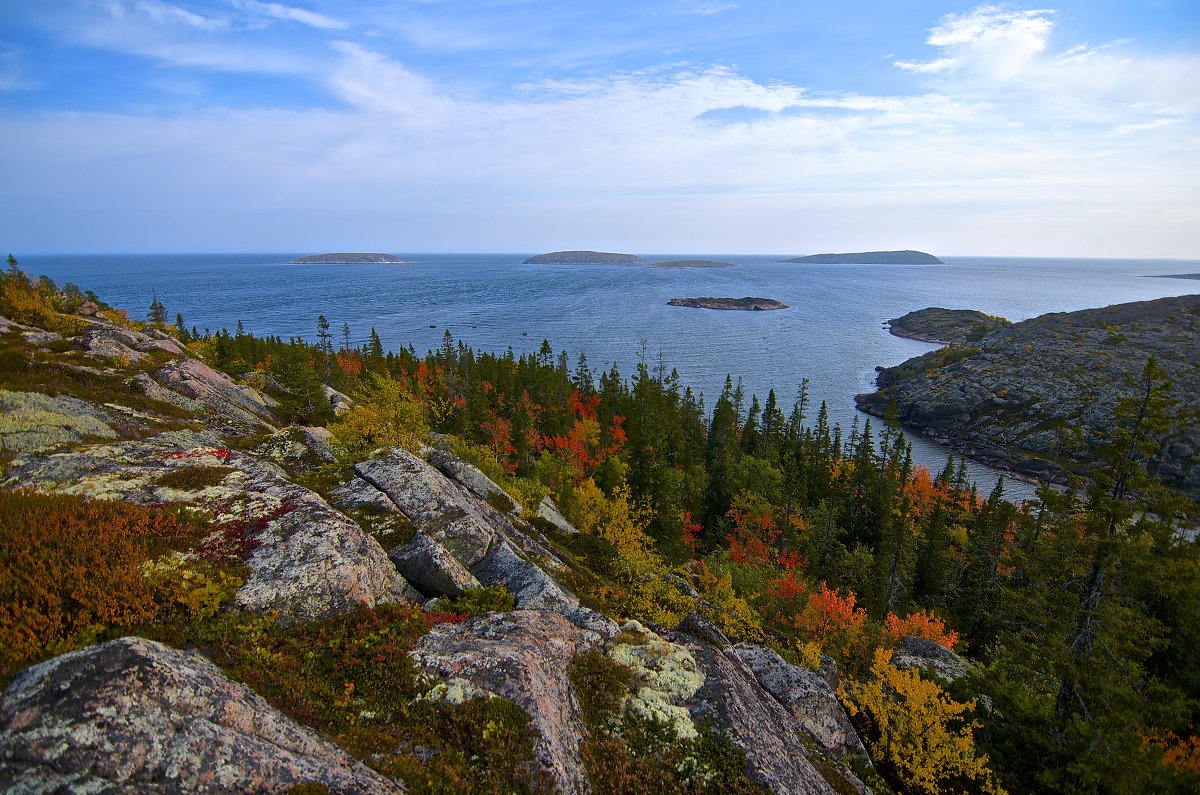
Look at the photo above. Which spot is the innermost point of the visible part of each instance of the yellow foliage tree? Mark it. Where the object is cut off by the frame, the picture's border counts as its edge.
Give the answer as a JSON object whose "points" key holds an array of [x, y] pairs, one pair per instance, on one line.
{"points": [[916, 732], [384, 415], [642, 590]]}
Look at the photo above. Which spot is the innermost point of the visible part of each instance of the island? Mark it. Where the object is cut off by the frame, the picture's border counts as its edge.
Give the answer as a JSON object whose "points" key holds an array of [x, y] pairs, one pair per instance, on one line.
{"points": [[745, 304], [871, 258], [692, 263], [585, 258], [1009, 398], [349, 258], [945, 326]]}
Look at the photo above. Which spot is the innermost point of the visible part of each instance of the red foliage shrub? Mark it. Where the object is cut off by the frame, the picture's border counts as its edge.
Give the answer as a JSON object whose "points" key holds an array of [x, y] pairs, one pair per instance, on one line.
{"points": [[69, 567]]}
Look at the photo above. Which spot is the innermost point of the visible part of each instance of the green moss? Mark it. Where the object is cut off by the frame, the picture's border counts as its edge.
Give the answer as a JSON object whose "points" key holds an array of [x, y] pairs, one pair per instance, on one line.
{"points": [[194, 478]]}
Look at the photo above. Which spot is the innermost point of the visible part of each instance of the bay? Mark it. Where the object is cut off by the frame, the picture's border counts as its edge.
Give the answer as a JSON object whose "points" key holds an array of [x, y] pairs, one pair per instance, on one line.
{"points": [[832, 333]]}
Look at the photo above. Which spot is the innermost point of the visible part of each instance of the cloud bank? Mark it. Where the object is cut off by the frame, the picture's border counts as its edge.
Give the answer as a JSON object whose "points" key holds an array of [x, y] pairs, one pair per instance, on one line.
{"points": [[1002, 142]]}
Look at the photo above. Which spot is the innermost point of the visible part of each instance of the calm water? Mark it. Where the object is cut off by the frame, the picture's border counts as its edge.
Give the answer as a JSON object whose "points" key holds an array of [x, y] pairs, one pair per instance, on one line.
{"points": [[832, 333]]}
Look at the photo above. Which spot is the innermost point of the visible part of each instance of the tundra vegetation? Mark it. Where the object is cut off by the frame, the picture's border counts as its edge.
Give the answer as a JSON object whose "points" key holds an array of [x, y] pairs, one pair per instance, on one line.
{"points": [[1079, 612]]}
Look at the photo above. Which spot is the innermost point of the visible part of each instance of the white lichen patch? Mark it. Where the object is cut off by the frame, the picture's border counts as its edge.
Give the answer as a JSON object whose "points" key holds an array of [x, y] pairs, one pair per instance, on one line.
{"points": [[668, 672], [455, 691], [32, 422]]}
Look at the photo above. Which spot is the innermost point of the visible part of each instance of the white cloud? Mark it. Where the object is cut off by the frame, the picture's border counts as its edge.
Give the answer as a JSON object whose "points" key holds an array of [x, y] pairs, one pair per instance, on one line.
{"points": [[291, 14], [12, 77], [991, 40], [166, 13], [702, 8]]}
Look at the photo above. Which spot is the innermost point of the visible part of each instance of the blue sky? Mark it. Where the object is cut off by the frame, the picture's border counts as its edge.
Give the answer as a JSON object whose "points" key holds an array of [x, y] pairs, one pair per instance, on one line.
{"points": [[663, 126]]}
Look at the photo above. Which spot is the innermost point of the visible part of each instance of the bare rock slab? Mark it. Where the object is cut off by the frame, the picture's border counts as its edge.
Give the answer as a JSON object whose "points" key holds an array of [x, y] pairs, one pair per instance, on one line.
{"points": [[132, 715], [521, 656], [808, 697], [431, 569], [472, 478], [431, 502]]}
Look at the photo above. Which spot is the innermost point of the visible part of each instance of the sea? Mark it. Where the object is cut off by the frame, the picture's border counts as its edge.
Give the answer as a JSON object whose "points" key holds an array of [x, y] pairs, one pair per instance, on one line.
{"points": [[833, 332]]}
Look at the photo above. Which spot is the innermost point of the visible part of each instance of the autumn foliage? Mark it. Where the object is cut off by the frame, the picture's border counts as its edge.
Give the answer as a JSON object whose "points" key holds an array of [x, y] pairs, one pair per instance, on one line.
{"points": [[921, 624], [70, 567]]}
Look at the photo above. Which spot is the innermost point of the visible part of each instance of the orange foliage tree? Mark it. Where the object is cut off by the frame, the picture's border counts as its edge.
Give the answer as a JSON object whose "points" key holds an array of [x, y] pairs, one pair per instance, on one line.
{"points": [[921, 624]]}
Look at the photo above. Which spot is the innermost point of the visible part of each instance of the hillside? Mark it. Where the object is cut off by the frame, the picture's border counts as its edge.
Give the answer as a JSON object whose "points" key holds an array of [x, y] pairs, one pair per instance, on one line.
{"points": [[233, 563], [945, 326], [871, 258], [1005, 396]]}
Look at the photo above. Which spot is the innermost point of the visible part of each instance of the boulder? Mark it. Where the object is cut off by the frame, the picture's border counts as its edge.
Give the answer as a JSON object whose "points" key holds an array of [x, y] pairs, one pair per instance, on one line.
{"points": [[929, 656], [341, 402], [431, 502], [808, 697], [427, 565], [298, 449], [547, 511], [522, 656], [132, 715], [530, 586], [472, 478]]}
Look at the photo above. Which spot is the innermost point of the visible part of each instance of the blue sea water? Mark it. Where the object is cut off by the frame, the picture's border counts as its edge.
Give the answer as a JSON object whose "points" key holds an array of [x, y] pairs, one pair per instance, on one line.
{"points": [[832, 333]]}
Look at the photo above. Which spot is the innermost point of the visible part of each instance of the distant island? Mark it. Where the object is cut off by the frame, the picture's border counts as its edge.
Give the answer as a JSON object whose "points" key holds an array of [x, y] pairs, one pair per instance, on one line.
{"points": [[347, 258], [692, 263], [744, 304], [585, 258], [1176, 276], [945, 326], [872, 258]]}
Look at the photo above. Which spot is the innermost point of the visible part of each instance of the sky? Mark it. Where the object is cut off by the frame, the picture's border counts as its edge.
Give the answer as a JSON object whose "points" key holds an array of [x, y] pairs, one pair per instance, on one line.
{"points": [[1064, 128]]}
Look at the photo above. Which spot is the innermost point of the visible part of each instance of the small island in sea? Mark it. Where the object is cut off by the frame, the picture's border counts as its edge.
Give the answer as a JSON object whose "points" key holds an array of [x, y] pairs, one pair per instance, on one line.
{"points": [[745, 304], [945, 326], [585, 258], [871, 258], [348, 258], [692, 263]]}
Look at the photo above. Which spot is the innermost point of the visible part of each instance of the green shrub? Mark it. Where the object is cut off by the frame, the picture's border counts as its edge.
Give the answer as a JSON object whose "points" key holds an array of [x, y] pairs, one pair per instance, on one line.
{"points": [[477, 601]]}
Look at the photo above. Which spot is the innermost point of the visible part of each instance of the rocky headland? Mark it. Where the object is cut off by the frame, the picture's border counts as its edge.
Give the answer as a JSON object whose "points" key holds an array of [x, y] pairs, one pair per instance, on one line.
{"points": [[747, 304], [692, 263], [346, 258], [871, 258], [1010, 397], [585, 258], [945, 326]]}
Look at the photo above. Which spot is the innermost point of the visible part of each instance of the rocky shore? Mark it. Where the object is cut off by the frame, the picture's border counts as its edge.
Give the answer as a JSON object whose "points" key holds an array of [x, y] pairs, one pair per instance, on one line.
{"points": [[1036, 397], [944, 326]]}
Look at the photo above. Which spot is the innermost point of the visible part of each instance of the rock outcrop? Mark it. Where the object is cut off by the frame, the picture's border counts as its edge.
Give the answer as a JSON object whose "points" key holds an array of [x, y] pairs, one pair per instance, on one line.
{"points": [[308, 560], [747, 304], [429, 567], [471, 478], [929, 656], [132, 715], [1001, 399], [808, 697], [945, 326], [522, 656], [732, 701]]}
